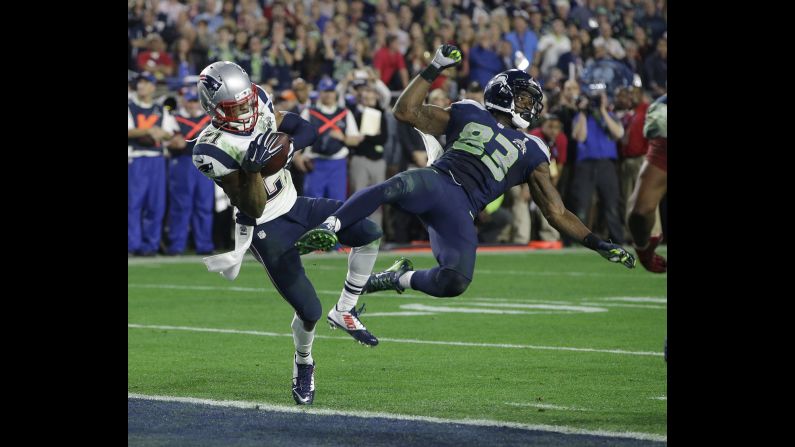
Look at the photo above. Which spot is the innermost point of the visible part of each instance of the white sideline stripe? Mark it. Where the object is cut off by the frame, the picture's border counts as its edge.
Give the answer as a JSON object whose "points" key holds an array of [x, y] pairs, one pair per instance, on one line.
{"points": [[470, 310], [398, 314], [543, 306], [637, 299], [638, 306], [546, 406], [659, 398], [402, 417], [401, 340]]}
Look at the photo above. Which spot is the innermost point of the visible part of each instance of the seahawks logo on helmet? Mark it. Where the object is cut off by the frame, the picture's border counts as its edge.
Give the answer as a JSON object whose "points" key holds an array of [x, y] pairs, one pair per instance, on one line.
{"points": [[502, 79], [210, 83]]}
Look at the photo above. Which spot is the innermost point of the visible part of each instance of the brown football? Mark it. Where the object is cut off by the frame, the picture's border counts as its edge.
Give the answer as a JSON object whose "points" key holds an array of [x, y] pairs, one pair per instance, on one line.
{"points": [[278, 160]]}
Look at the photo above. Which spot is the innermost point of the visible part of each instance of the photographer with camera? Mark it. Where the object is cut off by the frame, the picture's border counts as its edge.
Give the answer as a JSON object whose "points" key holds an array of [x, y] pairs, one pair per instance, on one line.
{"points": [[596, 131]]}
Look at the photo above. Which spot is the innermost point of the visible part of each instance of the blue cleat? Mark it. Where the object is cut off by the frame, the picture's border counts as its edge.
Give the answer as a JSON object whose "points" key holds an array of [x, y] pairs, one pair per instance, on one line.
{"points": [[303, 383]]}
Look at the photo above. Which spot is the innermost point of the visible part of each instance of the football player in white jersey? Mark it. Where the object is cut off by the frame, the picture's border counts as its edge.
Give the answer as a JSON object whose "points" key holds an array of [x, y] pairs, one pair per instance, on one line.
{"points": [[232, 151]]}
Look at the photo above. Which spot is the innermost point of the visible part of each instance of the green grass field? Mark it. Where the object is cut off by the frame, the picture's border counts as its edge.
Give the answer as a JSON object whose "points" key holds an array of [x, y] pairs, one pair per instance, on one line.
{"points": [[559, 299]]}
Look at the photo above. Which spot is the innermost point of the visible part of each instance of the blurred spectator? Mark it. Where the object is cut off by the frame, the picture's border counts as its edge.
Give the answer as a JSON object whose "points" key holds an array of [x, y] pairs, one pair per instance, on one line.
{"points": [[255, 62], [393, 29], [138, 34], [652, 20], [148, 124], [611, 44], [222, 50], [191, 194], [563, 8], [156, 60], [656, 68], [596, 130], [633, 59], [171, 9], [301, 89], [187, 61], [336, 130], [522, 38], [368, 166], [280, 58], [584, 14], [551, 133], [210, 15], [552, 45], [624, 29], [484, 61], [536, 23], [388, 60], [313, 61]]}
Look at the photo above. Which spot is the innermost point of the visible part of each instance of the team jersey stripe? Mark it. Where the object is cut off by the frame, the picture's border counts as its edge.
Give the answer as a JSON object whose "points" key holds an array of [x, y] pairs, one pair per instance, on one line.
{"points": [[216, 153]]}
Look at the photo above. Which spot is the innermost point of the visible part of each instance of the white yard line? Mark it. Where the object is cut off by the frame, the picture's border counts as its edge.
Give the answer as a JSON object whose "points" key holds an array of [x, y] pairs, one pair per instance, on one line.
{"points": [[636, 299], [404, 417], [546, 406], [402, 340]]}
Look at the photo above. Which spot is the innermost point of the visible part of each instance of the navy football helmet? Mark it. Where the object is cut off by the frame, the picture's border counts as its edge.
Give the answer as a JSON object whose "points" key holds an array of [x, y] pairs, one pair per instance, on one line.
{"points": [[501, 93]]}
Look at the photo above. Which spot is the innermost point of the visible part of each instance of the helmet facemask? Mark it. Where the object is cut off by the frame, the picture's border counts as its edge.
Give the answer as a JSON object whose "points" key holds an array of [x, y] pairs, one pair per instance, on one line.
{"points": [[525, 118], [234, 118]]}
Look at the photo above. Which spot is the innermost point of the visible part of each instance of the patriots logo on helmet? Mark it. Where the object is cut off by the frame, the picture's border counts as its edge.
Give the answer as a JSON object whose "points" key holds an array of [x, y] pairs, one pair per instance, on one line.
{"points": [[210, 83]]}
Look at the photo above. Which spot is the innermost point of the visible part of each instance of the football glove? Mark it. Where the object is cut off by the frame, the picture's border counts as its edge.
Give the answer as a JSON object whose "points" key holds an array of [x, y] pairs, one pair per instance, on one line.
{"points": [[616, 253], [260, 150], [446, 56]]}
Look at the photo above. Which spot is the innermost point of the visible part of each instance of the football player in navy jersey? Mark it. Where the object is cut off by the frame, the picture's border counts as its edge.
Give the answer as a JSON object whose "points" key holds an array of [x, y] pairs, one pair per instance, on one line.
{"points": [[487, 153]]}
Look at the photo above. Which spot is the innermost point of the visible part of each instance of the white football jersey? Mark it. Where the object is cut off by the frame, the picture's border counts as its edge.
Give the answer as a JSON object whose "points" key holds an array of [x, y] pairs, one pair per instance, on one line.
{"points": [[218, 152]]}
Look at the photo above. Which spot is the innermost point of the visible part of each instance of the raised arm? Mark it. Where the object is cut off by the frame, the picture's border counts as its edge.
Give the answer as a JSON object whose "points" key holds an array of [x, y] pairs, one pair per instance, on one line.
{"points": [[409, 107], [548, 200]]}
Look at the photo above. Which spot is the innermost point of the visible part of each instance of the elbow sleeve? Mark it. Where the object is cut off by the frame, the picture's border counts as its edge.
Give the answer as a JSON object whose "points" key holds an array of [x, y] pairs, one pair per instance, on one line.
{"points": [[303, 133]]}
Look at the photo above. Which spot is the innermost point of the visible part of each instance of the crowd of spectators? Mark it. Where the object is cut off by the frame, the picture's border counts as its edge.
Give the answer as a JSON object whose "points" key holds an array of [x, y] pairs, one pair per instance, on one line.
{"points": [[600, 63]]}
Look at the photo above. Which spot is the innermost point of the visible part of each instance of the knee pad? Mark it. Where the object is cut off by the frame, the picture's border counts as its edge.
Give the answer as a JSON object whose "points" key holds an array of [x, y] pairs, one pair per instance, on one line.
{"points": [[451, 283], [395, 187], [364, 232], [309, 312]]}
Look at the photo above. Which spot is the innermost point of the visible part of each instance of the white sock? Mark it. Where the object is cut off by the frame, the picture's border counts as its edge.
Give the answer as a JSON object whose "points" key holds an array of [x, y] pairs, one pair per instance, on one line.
{"points": [[303, 342], [360, 264], [405, 280], [334, 222]]}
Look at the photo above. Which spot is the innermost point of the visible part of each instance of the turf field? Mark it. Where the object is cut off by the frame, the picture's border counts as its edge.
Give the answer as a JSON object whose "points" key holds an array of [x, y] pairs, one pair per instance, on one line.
{"points": [[545, 338]]}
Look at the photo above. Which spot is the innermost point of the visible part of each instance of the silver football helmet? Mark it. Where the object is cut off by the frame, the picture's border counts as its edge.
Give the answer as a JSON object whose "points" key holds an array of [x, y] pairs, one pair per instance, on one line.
{"points": [[227, 94]]}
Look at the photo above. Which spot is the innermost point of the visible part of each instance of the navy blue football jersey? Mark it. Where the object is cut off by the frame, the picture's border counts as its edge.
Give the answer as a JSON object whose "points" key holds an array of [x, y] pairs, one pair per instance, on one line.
{"points": [[486, 157]]}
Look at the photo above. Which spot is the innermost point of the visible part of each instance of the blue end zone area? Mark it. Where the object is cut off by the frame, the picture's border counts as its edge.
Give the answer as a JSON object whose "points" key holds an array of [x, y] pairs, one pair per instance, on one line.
{"points": [[158, 423]]}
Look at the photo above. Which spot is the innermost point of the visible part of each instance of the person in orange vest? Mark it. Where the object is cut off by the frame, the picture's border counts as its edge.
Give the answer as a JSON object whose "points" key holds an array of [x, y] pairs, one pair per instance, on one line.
{"points": [[148, 125], [191, 194]]}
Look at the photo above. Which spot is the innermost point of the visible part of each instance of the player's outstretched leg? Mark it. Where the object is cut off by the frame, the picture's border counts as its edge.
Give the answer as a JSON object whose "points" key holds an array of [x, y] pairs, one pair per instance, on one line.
{"points": [[389, 279], [360, 264], [412, 190]]}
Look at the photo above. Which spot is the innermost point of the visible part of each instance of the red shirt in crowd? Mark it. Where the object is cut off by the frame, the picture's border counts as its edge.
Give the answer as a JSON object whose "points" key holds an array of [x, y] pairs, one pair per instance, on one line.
{"points": [[637, 144], [558, 147], [387, 62], [147, 60]]}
